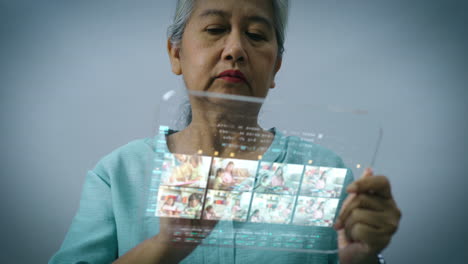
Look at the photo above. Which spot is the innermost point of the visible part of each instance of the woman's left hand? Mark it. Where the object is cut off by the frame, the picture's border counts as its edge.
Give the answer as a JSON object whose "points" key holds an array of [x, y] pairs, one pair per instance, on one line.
{"points": [[367, 221]]}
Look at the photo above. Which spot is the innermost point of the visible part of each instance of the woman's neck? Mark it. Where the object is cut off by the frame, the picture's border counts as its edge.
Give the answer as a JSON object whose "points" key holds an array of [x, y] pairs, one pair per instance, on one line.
{"points": [[220, 134]]}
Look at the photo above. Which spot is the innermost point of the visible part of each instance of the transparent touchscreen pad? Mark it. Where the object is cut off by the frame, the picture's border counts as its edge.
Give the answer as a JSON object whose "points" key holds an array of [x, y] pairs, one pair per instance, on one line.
{"points": [[248, 173]]}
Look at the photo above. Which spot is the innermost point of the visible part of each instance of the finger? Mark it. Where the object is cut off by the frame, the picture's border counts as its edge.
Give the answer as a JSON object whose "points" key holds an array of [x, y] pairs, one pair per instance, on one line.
{"points": [[346, 203], [392, 218], [374, 238], [355, 253], [363, 216], [376, 185], [362, 201]]}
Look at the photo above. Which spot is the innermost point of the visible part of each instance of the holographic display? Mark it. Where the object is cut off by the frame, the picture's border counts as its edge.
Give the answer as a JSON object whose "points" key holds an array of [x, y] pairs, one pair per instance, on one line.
{"points": [[274, 179], [283, 193]]}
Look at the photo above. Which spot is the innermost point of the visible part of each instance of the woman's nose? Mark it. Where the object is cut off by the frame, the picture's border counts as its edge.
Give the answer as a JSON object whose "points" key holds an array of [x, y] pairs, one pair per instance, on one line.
{"points": [[234, 50]]}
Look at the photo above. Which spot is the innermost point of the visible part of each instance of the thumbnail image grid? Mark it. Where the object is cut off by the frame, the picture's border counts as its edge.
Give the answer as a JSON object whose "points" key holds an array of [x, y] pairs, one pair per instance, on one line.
{"points": [[279, 195], [278, 178], [225, 205], [271, 208], [232, 174], [185, 170], [180, 202]]}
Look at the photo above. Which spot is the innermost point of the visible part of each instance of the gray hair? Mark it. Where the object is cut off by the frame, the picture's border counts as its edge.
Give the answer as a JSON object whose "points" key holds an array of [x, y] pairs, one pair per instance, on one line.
{"points": [[183, 12], [185, 7]]}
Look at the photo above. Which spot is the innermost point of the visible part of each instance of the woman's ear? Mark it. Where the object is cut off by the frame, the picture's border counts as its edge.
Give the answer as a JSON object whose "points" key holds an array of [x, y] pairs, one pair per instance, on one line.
{"points": [[278, 63], [174, 56]]}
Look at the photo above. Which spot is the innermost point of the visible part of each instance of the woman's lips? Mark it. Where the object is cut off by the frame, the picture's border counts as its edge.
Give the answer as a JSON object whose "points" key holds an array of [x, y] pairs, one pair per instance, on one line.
{"points": [[231, 79], [233, 76]]}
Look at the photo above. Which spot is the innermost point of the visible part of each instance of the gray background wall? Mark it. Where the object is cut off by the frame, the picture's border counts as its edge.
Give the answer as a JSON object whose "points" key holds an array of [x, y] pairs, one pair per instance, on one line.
{"points": [[80, 78]]}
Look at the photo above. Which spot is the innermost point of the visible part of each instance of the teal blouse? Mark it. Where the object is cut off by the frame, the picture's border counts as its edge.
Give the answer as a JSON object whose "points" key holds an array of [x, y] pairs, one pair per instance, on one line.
{"points": [[111, 219]]}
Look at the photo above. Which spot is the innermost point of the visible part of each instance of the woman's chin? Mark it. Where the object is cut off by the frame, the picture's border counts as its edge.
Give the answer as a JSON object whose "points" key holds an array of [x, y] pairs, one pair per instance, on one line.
{"points": [[225, 99], [236, 89]]}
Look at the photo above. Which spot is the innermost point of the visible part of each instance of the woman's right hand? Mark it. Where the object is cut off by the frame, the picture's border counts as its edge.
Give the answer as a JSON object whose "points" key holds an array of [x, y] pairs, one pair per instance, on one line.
{"points": [[168, 245]]}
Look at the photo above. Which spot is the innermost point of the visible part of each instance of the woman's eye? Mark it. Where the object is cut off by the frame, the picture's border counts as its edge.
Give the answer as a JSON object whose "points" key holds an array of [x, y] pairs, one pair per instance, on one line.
{"points": [[216, 31], [255, 36]]}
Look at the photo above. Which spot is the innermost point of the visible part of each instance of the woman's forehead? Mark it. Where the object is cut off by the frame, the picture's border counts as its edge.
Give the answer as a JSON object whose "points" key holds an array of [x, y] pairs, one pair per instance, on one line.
{"points": [[245, 9]]}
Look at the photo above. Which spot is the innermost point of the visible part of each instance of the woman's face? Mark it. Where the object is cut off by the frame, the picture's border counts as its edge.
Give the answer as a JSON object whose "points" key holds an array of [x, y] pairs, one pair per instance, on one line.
{"points": [[170, 201], [194, 203], [228, 47]]}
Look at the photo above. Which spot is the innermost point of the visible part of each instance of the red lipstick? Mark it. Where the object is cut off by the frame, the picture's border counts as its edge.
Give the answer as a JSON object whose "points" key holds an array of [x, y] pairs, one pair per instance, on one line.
{"points": [[233, 76]]}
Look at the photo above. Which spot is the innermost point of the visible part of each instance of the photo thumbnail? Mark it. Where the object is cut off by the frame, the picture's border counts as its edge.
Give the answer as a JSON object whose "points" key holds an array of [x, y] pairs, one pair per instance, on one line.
{"points": [[313, 211], [271, 208], [232, 174], [323, 181], [278, 178], [226, 205], [179, 202], [185, 170]]}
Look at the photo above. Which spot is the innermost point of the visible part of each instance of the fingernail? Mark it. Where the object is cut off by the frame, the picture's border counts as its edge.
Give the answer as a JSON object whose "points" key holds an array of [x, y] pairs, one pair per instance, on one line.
{"points": [[337, 225], [369, 171]]}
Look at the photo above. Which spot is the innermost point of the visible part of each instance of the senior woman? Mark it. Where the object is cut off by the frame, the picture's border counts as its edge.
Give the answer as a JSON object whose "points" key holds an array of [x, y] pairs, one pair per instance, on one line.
{"points": [[227, 47]]}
